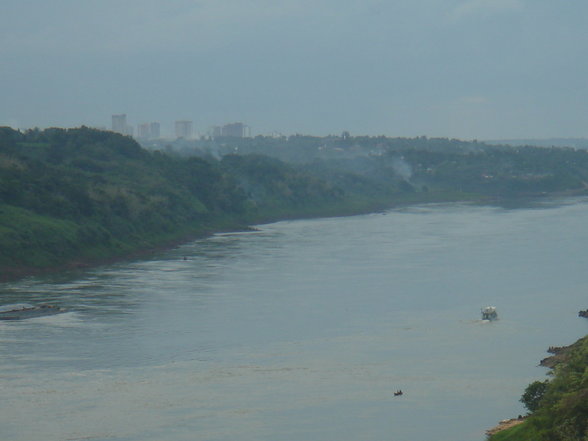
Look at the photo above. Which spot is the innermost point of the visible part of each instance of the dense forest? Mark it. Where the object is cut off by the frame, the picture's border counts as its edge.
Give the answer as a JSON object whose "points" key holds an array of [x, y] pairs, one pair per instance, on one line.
{"points": [[81, 196], [421, 163], [559, 406], [77, 196]]}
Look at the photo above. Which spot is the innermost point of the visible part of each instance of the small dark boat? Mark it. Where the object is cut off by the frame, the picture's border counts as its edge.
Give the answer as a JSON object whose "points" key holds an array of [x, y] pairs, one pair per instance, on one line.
{"points": [[398, 393], [26, 312]]}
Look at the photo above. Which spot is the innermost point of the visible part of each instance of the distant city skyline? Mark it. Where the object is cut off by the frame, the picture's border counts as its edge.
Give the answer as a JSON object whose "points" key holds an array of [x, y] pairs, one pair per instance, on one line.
{"points": [[184, 129], [467, 69], [152, 130]]}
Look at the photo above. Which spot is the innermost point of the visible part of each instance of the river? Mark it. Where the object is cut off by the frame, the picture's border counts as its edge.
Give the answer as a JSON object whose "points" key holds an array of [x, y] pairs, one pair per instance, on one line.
{"points": [[303, 330]]}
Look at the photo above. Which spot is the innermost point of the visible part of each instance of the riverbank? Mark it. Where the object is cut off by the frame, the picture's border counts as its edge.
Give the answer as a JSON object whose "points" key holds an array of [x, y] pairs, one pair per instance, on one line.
{"points": [[73, 198], [558, 407], [350, 207], [301, 301], [152, 246], [14, 273], [505, 424]]}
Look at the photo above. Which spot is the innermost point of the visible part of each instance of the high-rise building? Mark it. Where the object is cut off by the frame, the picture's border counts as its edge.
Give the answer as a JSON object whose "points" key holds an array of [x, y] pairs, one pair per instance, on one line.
{"points": [[143, 131], [216, 131], [234, 130], [184, 129], [154, 130], [148, 130], [119, 123]]}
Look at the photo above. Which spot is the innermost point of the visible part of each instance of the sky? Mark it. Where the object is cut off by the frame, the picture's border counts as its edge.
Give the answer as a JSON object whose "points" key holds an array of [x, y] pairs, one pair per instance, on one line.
{"points": [[468, 69]]}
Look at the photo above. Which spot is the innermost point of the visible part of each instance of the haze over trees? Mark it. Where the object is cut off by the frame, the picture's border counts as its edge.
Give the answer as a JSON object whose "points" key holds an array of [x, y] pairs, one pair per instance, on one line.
{"points": [[84, 195], [436, 163]]}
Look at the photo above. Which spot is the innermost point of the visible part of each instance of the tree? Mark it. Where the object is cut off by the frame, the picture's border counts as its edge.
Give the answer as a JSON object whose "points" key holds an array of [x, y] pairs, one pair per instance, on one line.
{"points": [[533, 394]]}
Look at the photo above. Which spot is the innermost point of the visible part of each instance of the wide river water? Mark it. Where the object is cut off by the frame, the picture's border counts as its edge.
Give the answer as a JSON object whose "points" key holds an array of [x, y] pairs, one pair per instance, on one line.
{"points": [[303, 330]]}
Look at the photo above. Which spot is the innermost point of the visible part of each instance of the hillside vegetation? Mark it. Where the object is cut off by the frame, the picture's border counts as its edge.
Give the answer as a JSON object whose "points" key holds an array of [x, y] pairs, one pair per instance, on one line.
{"points": [[449, 168], [81, 193], [559, 406], [79, 196], [76, 196]]}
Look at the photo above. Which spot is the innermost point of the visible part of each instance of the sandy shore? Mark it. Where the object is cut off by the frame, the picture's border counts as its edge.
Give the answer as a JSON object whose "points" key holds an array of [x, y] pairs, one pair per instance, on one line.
{"points": [[505, 424]]}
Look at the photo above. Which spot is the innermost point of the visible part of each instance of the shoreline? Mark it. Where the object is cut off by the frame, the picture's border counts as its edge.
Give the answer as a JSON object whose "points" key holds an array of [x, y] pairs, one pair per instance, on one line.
{"points": [[505, 424], [15, 273], [559, 355]]}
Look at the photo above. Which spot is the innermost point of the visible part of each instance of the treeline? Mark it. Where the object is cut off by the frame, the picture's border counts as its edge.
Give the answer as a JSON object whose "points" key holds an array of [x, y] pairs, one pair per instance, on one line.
{"points": [[88, 194], [82, 194], [304, 148], [503, 172], [559, 406], [440, 164]]}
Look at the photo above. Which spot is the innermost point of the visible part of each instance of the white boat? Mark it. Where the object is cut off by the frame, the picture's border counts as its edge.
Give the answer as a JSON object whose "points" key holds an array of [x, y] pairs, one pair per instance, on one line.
{"points": [[489, 313]]}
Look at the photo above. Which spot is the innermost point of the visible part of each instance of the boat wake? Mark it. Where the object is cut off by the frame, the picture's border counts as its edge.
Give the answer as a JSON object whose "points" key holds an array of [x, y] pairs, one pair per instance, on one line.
{"points": [[24, 311]]}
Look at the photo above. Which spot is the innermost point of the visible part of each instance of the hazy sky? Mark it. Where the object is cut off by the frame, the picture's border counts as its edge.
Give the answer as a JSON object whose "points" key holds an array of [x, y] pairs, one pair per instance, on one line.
{"points": [[457, 68]]}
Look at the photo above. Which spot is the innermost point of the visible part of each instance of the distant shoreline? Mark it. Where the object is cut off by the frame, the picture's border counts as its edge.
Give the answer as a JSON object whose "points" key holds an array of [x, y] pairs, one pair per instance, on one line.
{"points": [[15, 273]]}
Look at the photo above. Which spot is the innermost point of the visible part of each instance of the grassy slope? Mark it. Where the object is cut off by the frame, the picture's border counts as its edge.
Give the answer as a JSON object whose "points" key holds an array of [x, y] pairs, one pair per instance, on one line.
{"points": [[563, 410], [22, 230], [522, 432]]}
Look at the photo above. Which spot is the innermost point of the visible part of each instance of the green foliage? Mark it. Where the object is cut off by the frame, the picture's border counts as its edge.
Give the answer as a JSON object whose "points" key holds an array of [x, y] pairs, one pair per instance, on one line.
{"points": [[560, 408], [70, 193], [533, 394], [276, 189], [33, 239], [563, 413], [522, 432], [66, 194], [503, 172], [369, 165]]}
